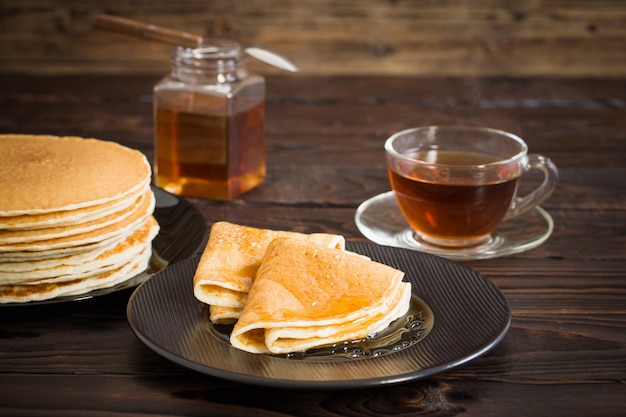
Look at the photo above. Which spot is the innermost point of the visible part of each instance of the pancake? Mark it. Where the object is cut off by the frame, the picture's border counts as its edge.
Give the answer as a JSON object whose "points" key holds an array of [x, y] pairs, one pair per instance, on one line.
{"points": [[51, 253], [223, 315], [50, 259], [233, 254], [305, 296], [67, 217], [46, 291], [96, 276], [79, 266], [75, 215], [39, 234], [126, 225], [80, 172]]}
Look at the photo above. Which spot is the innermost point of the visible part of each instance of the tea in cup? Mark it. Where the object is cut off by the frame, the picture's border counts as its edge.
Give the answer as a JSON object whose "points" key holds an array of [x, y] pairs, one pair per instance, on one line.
{"points": [[456, 184]]}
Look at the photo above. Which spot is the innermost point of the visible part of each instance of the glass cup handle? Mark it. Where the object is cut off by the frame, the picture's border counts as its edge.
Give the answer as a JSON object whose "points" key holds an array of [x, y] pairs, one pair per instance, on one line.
{"points": [[550, 178]]}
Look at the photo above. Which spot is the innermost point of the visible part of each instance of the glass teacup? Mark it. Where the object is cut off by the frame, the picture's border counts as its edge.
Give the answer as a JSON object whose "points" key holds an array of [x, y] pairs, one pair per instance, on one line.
{"points": [[456, 184]]}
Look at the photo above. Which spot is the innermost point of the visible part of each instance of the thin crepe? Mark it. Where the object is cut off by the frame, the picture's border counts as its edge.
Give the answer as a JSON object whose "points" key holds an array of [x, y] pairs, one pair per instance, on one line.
{"points": [[233, 254], [305, 296]]}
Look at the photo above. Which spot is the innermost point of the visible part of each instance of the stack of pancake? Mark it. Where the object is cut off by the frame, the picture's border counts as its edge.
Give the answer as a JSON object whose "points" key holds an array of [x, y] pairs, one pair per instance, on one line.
{"points": [[75, 216]]}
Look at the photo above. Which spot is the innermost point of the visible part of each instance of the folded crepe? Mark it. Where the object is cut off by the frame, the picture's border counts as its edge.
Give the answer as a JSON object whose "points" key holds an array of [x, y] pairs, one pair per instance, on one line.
{"points": [[229, 263], [224, 315], [306, 296]]}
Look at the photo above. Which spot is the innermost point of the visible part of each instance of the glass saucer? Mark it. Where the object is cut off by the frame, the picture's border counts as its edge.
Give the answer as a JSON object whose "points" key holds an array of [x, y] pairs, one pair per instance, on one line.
{"points": [[380, 220]]}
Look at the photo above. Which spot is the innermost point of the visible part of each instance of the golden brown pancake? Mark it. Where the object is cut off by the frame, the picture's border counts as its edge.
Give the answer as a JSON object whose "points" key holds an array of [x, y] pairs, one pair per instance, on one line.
{"points": [[81, 265], [39, 234], [41, 174], [45, 291], [75, 215], [223, 315], [50, 253], [305, 296], [126, 225], [68, 217], [232, 256], [100, 275]]}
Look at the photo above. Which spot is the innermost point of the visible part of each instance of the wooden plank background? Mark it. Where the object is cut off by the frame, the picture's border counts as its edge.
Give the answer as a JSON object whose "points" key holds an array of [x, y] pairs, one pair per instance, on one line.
{"points": [[519, 38]]}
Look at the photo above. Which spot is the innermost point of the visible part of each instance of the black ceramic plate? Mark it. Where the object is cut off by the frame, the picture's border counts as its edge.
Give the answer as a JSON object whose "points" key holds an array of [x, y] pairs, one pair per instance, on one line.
{"points": [[182, 231], [456, 315]]}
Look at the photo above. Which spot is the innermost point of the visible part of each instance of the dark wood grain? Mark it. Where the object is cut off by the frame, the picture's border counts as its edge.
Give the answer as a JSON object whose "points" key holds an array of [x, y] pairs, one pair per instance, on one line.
{"points": [[418, 38], [565, 354]]}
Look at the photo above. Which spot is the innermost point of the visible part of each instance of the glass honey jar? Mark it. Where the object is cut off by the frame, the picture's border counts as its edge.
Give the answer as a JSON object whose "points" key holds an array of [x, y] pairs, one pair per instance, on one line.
{"points": [[209, 115]]}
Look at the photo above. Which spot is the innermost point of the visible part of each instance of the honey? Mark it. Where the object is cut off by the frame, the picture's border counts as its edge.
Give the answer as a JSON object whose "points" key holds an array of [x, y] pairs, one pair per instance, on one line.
{"points": [[209, 124]]}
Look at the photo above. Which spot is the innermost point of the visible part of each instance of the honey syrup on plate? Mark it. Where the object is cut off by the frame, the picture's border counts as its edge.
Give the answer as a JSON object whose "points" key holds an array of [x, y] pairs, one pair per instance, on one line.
{"points": [[401, 334]]}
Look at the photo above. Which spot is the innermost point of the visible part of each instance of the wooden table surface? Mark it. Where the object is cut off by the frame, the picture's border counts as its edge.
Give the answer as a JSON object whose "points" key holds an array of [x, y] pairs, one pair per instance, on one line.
{"points": [[564, 354]]}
